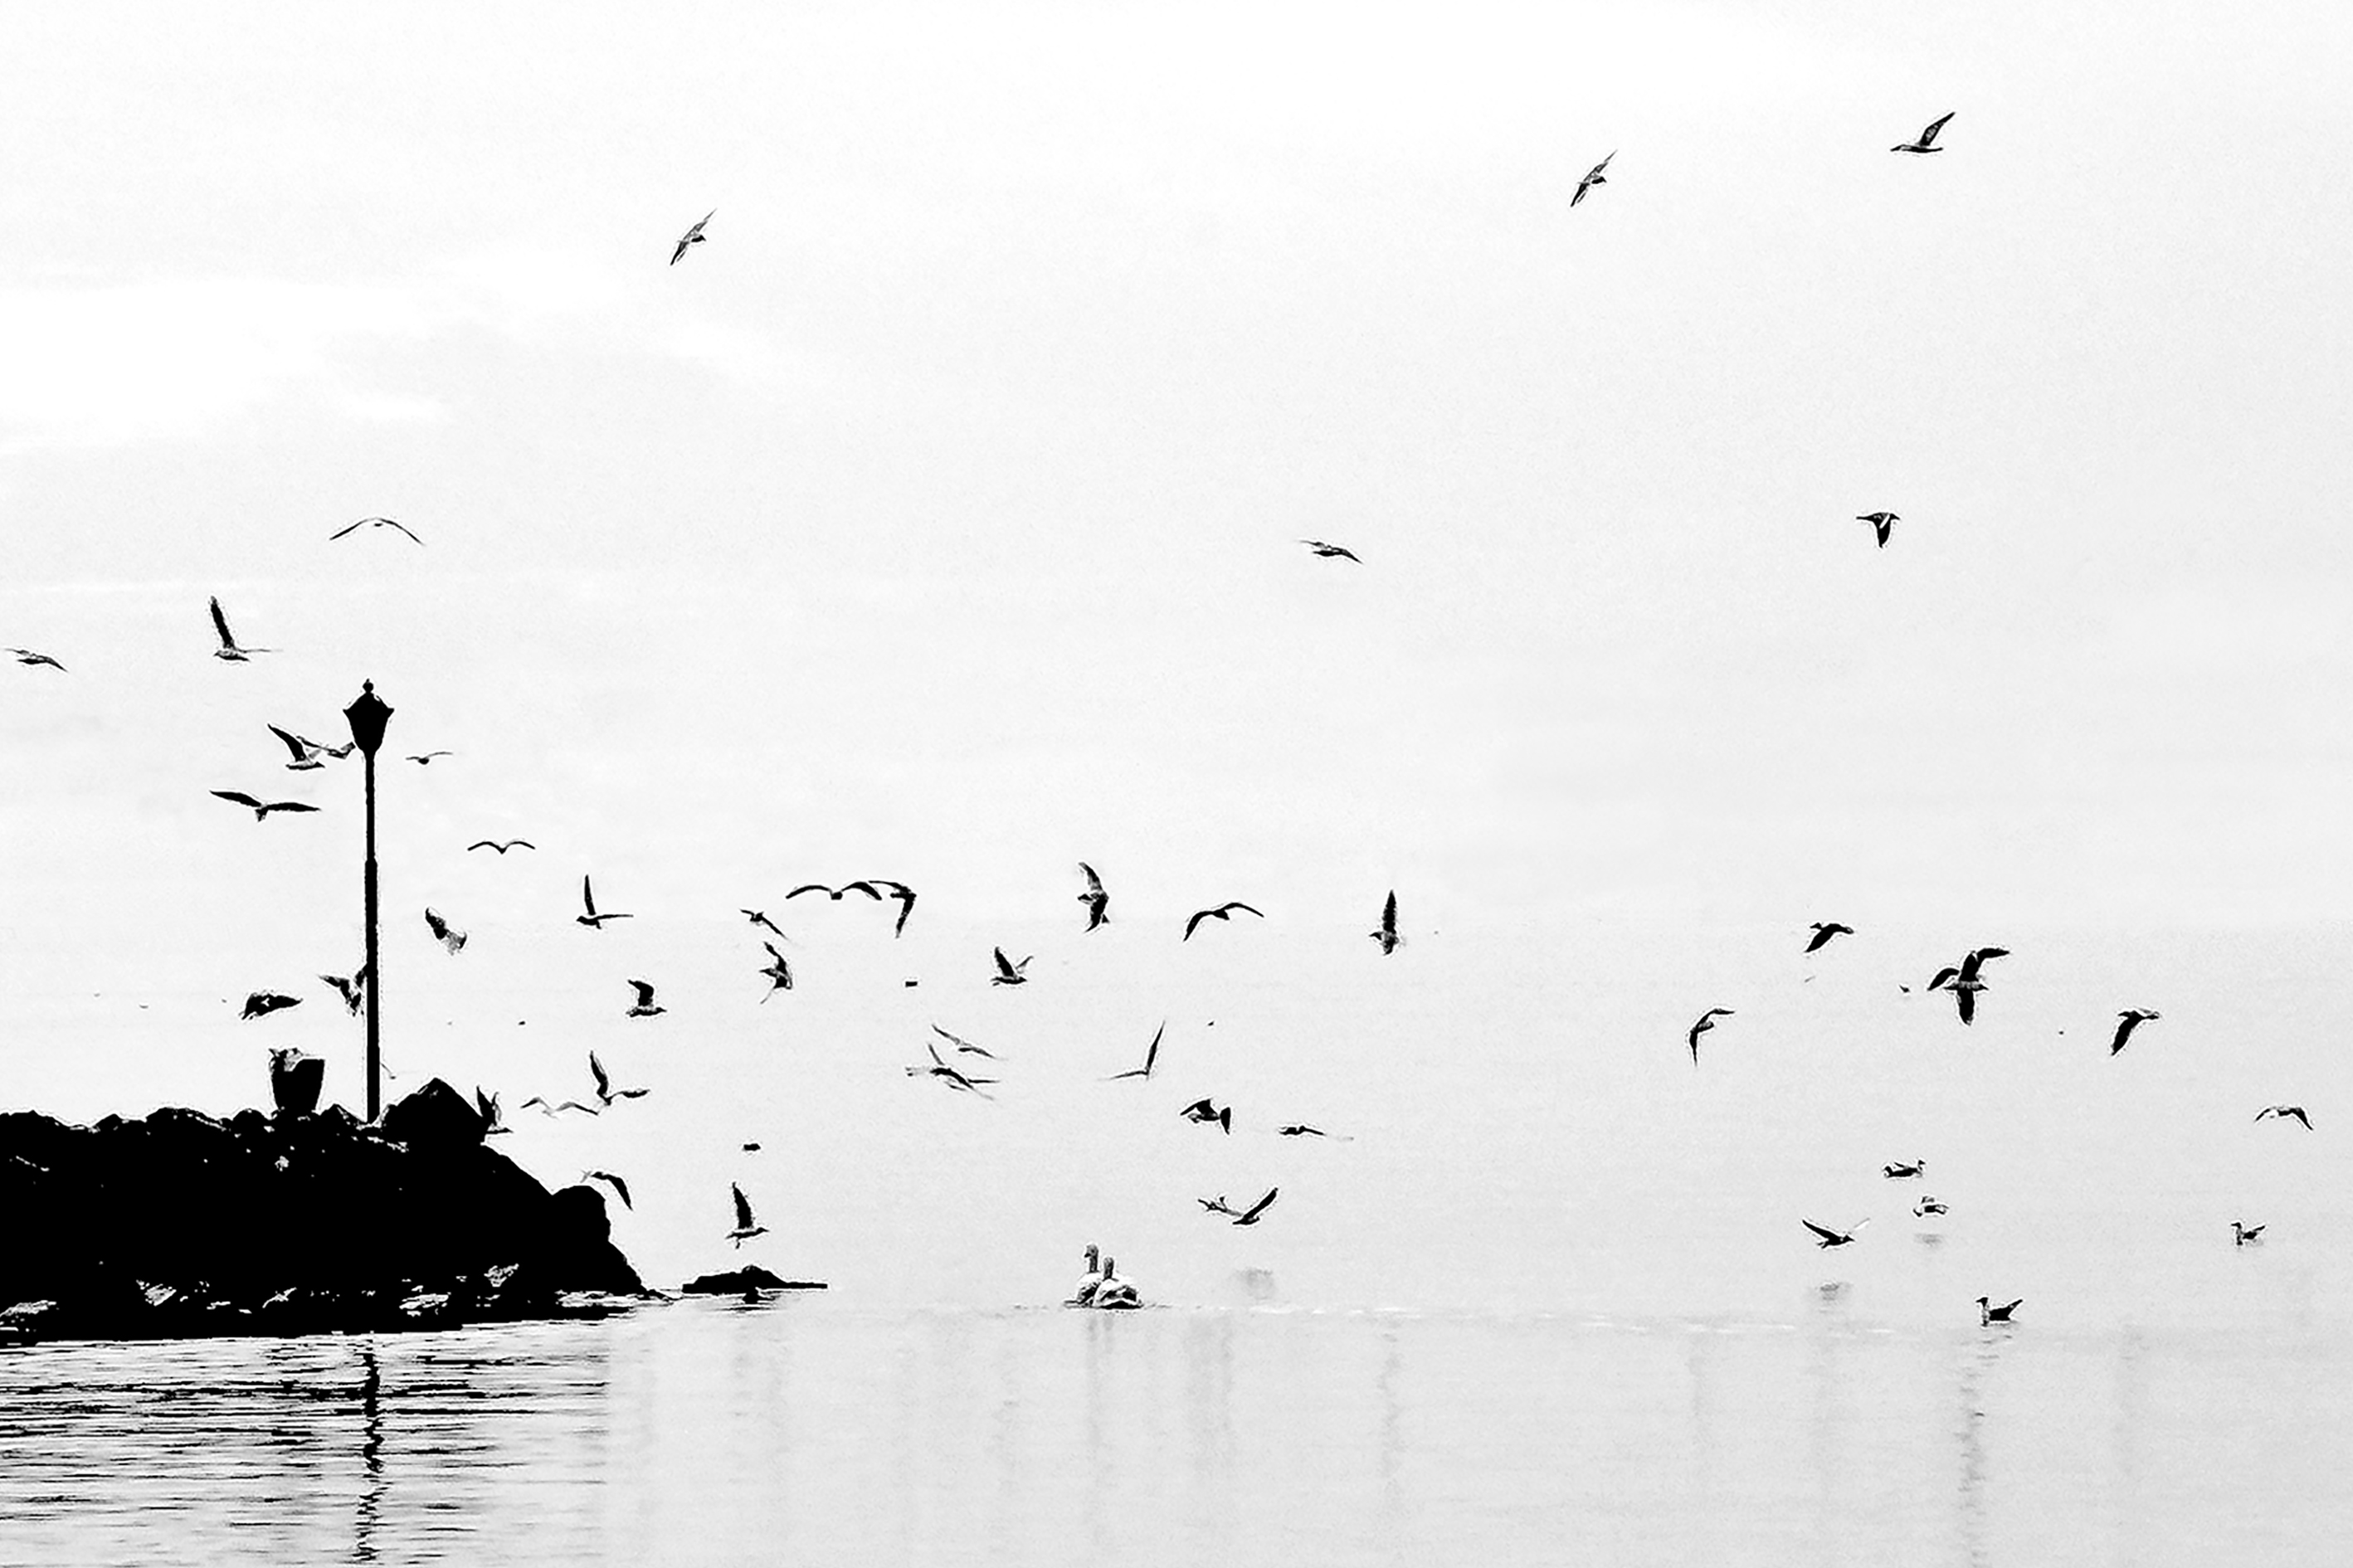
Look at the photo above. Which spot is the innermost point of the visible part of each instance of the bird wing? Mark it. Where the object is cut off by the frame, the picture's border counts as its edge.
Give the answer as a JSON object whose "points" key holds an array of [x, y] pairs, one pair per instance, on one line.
{"points": [[220, 625], [404, 528], [293, 744], [346, 529], [1198, 917], [1232, 904], [743, 1207], [1825, 1232], [867, 887], [621, 1187], [1152, 1052], [644, 993], [587, 895], [810, 887], [596, 1071], [1004, 965], [289, 805], [1935, 125], [2125, 1021], [1199, 1108], [1259, 1207], [2297, 1112], [1968, 1001], [1094, 883], [436, 924], [239, 796]]}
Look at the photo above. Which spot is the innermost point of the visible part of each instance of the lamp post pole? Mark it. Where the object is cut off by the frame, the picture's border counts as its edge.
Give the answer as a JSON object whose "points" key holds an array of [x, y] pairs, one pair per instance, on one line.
{"points": [[367, 717]]}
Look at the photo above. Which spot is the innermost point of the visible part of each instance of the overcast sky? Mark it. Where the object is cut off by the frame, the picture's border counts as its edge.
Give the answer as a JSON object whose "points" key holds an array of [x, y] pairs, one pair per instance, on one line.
{"points": [[939, 517]]}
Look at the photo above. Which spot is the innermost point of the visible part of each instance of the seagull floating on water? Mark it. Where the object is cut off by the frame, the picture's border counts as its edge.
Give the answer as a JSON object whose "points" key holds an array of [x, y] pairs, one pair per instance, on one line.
{"points": [[1593, 177], [2127, 1022], [695, 237], [2243, 1234], [1098, 902], [501, 848], [261, 1004], [374, 522], [445, 933], [1223, 912], [1114, 1293], [262, 808], [1899, 1172], [1084, 1294], [1706, 1021], [1988, 1313], [1829, 1237], [2284, 1112], [644, 1007], [1928, 139], [592, 919], [745, 1228], [1928, 1205], [28, 657], [1385, 933], [228, 649], [1327, 551], [1882, 523]]}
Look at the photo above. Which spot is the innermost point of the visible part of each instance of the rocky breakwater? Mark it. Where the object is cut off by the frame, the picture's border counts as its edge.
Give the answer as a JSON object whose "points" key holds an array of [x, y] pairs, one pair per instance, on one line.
{"points": [[179, 1224]]}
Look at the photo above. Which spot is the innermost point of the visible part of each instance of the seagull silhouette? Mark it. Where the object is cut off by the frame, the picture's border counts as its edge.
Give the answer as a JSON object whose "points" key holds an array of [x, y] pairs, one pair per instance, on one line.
{"points": [[28, 657], [1988, 1314], [1928, 1205], [1326, 551], [592, 919], [1593, 177], [1098, 902], [1964, 982], [1151, 1055], [2127, 1022], [261, 1004], [425, 759], [1223, 912], [486, 1106], [374, 522], [1008, 972], [759, 918], [1824, 931], [354, 990], [445, 933], [547, 1110], [644, 1007], [696, 237], [1706, 1021], [606, 1092], [2243, 1234], [1202, 1110], [228, 649], [745, 1228], [1899, 1171], [1250, 1216], [262, 808], [502, 848], [620, 1186], [1927, 140], [2284, 1112], [904, 894], [954, 1078], [308, 753], [1385, 933], [1829, 1237], [869, 889], [1881, 524], [779, 973], [962, 1045]]}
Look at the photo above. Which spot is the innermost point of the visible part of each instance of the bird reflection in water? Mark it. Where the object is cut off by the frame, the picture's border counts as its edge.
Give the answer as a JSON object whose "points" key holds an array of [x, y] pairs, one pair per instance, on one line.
{"points": [[371, 1455], [1970, 1519]]}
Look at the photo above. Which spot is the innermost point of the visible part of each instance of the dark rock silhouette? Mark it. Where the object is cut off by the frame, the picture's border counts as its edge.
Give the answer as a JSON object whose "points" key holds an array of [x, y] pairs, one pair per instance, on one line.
{"points": [[180, 1223], [736, 1281]]}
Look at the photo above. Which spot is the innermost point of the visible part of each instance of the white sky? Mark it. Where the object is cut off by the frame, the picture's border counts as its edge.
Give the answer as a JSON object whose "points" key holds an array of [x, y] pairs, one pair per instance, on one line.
{"points": [[938, 517]]}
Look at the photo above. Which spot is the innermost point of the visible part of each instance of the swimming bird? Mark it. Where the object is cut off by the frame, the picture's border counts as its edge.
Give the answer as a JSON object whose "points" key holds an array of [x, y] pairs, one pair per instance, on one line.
{"points": [[899, 890], [374, 522], [308, 753], [1114, 1293], [745, 1228], [1098, 902], [759, 918], [1706, 1021], [1824, 931], [1151, 1055], [1593, 177], [1202, 1110], [2243, 1234], [592, 919], [1326, 552], [228, 649], [779, 973], [645, 1005], [1009, 972], [1926, 142], [1084, 1294], [1899, 1172], [25, 655], [1385, 933], [425, 759], [1833, 1238], [1881, 524], [261, 1004], [2127, 1022], [1988, 1313], [487, 1107], [502, 848], [606, 1092], [1928, 1205], [620, 1186], [695, 237], [1250, 1216], [445, 933], [1223, 912], [2284, 1112], [262, 809], [963, 1045], [354, 990]]}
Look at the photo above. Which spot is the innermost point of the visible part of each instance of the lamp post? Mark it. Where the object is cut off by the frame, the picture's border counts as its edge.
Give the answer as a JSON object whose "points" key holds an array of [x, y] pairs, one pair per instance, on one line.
{"points": [[367, 717]]}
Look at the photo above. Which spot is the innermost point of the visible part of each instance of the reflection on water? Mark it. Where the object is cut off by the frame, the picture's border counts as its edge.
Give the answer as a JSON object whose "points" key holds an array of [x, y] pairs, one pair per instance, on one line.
{"points": [[714, 1432]]}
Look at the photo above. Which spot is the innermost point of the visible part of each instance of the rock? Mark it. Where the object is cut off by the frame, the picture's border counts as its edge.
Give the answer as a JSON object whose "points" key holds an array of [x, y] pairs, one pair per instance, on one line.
{"points": [[434, 1116], [735, 1281]]}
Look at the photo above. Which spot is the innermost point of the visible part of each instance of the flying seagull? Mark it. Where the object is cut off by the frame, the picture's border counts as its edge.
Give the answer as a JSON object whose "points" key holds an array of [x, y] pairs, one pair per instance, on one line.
{"points": [[228, 649], [620, 1188], [779, 973], [2284, 1112], [2243, 1234], [2127, 1022], [644, 1007], [606, 1092], [445, 933], [1008, 972], [1326, 551], [952, 1076], [1927, 142], [1824, 931], [592, 919], [374, 522], [354, 990], [1223, 912], [1098, 902], [1202, 1110], [759, 918], [1988, 1313], [1250, 1216], [1833, 1238], [26, 656], [696, 237], [869, 889], [1706, 1021], [308, 753], [547, 1110], [745, 1230], [1151, 1055], [904, 894], [962, 1045], [261, 1004], [487, 1107], [425, 759], [1593, 177], [502, 848], [1385, 933], [1962, 981], [262, 809], [1881, 524], [1301, 1130]]}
